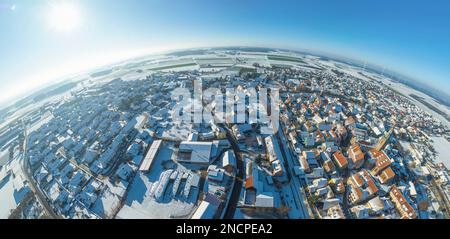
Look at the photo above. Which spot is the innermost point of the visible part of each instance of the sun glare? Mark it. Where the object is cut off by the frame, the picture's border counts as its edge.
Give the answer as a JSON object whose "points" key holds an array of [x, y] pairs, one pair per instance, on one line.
{"points": [[64, 17]]}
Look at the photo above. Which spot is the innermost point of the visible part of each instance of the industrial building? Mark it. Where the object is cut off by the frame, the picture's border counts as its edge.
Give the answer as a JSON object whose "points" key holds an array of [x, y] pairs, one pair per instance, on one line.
{"points": [[195, 152], [150, 156]]}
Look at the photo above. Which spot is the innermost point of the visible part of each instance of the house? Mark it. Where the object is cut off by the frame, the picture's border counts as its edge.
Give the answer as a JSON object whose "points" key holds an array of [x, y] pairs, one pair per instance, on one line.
{"points": [[229, 161], [309, 159], [340, 160], [76, 181], [317, 184], [273, 151], [193, 137], [360, 212], [335, 212], [371, 157], [320, 192], [356, 155], [329, 203], [124, 171], [304, 164], [215, 174], [338, 185], [386, 175], [350, 121], [274, 155], [264, 200], [403, 207], [298, 171], [328, 166], [277, 169], [195, 152], [316, 173], [377, 205], [362, 187], [255, 196], [382, 161], [207, 135]]}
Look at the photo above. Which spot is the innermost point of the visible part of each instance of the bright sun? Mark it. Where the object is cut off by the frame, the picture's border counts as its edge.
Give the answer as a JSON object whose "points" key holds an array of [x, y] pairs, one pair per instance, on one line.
{"points": [[64, 17]]}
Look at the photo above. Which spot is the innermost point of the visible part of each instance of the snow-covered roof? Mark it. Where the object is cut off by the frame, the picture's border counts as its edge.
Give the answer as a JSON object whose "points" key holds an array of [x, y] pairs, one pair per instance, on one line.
{"points": [[200, 151], [205, 210], [150, 156], [264, 199], [229, 159]]}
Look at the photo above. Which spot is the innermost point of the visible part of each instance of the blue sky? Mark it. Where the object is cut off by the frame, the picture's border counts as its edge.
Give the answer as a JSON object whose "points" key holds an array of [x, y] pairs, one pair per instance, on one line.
{"points": [[410, 37]]}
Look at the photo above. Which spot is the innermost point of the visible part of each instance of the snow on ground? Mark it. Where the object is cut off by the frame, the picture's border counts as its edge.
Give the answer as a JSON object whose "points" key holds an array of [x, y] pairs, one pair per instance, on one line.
{"points": [[107, 205], [177, 133], [140, 201], [6, 194], [18, 113], [287, 196], [4, 157], [141, 204], [134, 75], [12, 189], [46, 117], [400, 87], [442, 146]]}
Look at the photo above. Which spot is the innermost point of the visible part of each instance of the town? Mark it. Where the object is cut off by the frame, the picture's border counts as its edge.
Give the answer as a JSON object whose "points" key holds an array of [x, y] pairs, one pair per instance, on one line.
{"points": [[345, 144]]}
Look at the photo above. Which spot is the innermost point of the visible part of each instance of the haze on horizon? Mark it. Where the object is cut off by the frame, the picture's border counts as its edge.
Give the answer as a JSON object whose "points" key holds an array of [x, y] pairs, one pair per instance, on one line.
{"points": [[43, 40]]}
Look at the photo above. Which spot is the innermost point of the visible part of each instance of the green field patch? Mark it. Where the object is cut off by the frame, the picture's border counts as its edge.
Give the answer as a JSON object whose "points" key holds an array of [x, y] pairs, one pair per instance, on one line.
{"points": [[172, 66], [285, 58]]}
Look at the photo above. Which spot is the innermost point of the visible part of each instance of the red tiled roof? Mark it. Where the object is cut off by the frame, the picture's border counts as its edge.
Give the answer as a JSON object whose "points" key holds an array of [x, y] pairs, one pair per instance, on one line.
{"points": [[355, 153], [340, 159], [358, 193], [383, 162], [401, 204], [377, 155], [372, 187], [349, 120], [386, 175], [357, 179], [249, 183]]}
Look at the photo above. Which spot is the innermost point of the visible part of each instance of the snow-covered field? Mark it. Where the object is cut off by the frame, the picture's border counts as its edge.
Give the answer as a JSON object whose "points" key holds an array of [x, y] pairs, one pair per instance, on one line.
{"points": [[106, 205], [442, 146], [7, 196], [46, 117], [12, 190], [4, 157]]}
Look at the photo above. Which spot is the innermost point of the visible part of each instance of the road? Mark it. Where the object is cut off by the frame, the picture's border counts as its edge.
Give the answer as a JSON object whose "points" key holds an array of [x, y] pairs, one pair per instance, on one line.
{"points": [[294, 181], [441, 197], [236, 192], [28, 175]]}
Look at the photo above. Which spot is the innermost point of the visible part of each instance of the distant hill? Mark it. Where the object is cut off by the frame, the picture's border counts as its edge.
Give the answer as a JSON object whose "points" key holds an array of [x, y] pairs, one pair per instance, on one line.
{"points": [[39, 95], [101, 73]]}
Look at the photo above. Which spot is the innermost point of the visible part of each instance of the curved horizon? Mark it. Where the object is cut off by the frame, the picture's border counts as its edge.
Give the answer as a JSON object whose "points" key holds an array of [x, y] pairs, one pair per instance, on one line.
{"points": [[4, 103], [409, 39]]}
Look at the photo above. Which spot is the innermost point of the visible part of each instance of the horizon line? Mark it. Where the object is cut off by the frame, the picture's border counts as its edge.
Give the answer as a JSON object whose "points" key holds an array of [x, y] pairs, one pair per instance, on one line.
{"points": [[369, 65]]}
